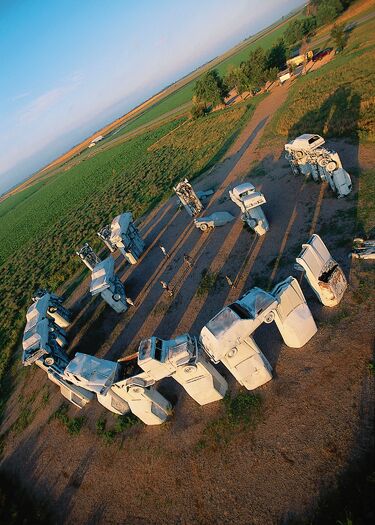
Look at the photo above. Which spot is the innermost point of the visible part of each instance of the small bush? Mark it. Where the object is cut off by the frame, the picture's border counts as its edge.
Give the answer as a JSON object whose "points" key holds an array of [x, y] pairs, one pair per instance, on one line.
{"points": [[242, 412], [72, 424], [122, 423], [207, 283]]}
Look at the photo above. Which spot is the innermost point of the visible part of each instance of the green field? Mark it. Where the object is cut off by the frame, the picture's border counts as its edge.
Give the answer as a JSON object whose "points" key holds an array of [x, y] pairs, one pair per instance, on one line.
{"points": [[13, 201], [336, 100], [39, 236]]}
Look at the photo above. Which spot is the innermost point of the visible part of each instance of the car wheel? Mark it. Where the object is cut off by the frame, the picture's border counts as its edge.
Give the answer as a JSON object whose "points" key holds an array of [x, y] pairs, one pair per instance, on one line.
{"points": [[203, 227], [49, 361], [331, 166], [323, 161], [116, 297]]}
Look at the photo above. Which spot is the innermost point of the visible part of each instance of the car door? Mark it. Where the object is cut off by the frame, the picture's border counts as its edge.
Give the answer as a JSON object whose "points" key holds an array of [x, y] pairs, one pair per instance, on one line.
{"points": [[292, 315]]}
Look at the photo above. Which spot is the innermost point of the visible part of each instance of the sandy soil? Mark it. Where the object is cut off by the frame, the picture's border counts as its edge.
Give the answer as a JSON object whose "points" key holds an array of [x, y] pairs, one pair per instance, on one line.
{"points": [[316, 415]]}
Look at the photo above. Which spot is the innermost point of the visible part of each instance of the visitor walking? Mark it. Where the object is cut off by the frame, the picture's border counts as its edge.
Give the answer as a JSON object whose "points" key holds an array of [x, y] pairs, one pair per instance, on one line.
{"points": [[165, 253], [230, 282], [167, 288], [188, 260]]}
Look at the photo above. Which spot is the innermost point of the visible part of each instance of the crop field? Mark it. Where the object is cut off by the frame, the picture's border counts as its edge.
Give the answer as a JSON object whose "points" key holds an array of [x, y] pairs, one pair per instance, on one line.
{"points": [[51, 223], [337, 100]]}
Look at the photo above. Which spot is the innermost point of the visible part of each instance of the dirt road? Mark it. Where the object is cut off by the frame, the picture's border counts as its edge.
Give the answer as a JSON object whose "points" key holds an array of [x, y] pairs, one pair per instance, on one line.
{"points": [[316, 412]]}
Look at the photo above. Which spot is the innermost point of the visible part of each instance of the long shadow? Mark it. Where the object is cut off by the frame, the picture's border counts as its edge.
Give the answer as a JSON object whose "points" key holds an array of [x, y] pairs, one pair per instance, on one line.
{"points": [[291, 207], [130, 330], [338, 117]]}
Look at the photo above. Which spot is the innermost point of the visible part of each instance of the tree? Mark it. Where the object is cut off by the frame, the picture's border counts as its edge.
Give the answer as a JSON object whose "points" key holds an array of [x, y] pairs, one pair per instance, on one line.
{"points": [[276, 56], [255, 68], [237, 79], [339, 36], [210, 89], [298, 29], [309, 26], [272, 74], [327, 11]]}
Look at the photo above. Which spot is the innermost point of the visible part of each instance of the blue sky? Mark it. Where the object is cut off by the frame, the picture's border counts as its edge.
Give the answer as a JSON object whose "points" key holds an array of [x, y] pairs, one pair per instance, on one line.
{"points": [[70, 66]]}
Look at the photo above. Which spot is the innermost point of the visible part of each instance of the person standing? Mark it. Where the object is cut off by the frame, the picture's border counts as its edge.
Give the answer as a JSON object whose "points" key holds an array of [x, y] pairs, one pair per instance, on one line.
{"points": [[188, 260], [230, 282], [165, 253], [167, 288]]}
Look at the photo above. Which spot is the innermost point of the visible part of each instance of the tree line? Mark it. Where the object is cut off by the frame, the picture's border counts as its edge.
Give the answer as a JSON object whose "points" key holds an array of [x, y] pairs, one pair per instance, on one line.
{"points": [[262, 65]]}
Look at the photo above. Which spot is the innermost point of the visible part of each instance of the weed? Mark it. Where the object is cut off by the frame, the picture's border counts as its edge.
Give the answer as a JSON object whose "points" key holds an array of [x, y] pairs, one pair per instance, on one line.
{"points": [[365, 286], [27, 413], [160, 309], [122, 423], [125, 422], [242, 412], [208, 283], [24, 419], [108, 436], [72, 424], [371, 368], [336, 319], [45, 396], [257, 171]]}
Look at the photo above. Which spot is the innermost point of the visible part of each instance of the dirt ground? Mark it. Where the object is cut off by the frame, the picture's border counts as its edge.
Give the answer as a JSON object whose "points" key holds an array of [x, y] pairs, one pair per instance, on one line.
{"points": [[316, 413]]}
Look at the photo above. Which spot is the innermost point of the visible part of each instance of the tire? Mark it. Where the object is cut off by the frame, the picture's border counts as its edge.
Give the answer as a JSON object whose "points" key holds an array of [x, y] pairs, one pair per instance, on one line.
{"points": [[49, 360], [323, 161], [299, 154], [203, 227], [331, 166]]}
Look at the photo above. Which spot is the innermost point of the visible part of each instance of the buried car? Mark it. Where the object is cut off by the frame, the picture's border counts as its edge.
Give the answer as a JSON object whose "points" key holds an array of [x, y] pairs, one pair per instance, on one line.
{"points": [[363, 249], [218, 218], [322, 272]]}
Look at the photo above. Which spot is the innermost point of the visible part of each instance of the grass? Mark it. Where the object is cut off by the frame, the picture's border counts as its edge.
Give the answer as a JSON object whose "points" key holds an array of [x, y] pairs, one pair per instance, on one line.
{"points": [[11, 202], [39, 236], [242, 412], [122, 423], [72, 424], [336, 100], [366, 209], [208, 283]]}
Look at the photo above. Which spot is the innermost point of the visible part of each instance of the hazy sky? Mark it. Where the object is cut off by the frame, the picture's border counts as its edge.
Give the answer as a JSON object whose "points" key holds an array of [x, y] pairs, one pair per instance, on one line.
{"points": [[68, 67]]}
